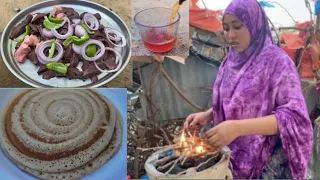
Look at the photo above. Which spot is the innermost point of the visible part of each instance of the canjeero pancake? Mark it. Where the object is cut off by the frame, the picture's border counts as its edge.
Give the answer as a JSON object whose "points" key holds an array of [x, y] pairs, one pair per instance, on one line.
{"points": [[56, 134]]}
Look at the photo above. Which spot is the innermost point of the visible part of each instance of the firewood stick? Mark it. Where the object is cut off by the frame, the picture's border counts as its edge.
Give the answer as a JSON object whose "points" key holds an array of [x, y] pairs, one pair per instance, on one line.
{"points": [[136, 164], [184, 160], [173, 146], [166, 166], [183, 172], [175, 162], [205, 162], [157, 136], [164, 160], [133, 137], [165, 136]]}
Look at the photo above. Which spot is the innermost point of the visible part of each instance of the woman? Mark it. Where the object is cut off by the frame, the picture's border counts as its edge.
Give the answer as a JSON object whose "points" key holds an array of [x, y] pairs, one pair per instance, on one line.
{"points": [[258, 108]]}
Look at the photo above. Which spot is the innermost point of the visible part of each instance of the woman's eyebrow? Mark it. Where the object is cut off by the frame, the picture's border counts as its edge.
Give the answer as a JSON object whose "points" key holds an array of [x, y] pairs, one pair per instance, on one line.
{"points": [[235, 21], [232, 22]]}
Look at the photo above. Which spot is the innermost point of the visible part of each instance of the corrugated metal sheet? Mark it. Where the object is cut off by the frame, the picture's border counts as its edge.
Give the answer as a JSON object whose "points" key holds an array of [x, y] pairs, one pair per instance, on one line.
{"points": [[310, 95], [191, 78]]}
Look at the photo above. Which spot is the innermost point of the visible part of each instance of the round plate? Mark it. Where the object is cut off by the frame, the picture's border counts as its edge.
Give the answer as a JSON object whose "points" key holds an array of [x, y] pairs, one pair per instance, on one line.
{"points": [[27, 72]]}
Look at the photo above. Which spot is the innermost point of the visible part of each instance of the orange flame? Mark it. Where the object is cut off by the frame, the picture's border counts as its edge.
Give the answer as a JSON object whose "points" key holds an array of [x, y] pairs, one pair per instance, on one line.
{"points": [[183, 142], [200, 149]]}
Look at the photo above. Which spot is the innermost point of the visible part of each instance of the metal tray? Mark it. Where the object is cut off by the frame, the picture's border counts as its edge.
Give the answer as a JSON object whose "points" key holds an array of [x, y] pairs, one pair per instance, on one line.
{"points": [[27, 72]]}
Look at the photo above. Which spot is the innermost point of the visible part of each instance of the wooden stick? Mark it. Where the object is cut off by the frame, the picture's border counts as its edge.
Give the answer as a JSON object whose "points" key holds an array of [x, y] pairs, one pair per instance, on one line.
{"points": [[182, 172], [175, 162], [157, 136], [165, 166], [165, 136], [173, 146], [184, 160], [205, 162], [136, 164], [164, 160], [133, 137]]}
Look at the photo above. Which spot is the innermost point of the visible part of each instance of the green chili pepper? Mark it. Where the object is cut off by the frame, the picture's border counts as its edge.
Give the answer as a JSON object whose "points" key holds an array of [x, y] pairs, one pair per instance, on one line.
{"points": [[82, 40], [91, 50], [55, 20], [76, 40], [69, 40], [25, 34], [50, 25], [52, 49], [58, 67], [86, 28]]}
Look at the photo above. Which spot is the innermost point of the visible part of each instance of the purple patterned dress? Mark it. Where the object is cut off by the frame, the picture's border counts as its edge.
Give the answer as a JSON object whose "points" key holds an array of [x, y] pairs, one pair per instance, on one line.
{"points": [[258, 82]]}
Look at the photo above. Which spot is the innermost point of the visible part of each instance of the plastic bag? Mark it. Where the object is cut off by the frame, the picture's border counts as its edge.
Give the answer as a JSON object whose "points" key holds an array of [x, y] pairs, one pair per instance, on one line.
{"points": [[317, 7], [266, 4], [205, 19]]}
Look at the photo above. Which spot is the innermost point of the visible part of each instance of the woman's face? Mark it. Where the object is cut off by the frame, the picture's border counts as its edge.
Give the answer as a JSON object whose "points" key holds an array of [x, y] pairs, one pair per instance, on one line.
{"points": [[236, 33]]}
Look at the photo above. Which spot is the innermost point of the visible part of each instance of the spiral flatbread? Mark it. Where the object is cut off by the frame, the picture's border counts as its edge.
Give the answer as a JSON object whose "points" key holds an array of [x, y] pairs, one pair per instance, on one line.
{"points": [[56, 134]]}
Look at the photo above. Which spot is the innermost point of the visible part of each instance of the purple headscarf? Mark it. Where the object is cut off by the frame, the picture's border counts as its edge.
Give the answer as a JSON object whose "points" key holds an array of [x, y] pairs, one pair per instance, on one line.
{"points": [[259, 82]]}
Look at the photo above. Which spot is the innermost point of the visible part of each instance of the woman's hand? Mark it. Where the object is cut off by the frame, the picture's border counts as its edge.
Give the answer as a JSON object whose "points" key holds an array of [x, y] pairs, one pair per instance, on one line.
{"points": [[201, 118], [222, 134]]}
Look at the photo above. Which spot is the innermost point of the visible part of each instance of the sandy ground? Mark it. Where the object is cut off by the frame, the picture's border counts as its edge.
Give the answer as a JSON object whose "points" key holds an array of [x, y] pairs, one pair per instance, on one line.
{"points": [[7, 11], [181, 48]]}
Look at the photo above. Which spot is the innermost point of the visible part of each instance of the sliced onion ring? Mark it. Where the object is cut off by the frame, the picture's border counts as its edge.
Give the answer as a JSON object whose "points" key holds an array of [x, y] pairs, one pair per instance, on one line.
{"points": [[94, 22], [46, 33], [68, 34], [98, 55], [43, 58], [79, 31], [76, 48], [76, 21], [119, 36], [118, 61]]}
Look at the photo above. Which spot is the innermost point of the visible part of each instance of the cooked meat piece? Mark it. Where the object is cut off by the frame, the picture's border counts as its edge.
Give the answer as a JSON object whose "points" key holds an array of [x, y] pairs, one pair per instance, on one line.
{"points": [[81, 15], [74, 73], [34, 28], [67, 55], [94, 79], [60, 75], [31, 40], [42, 68], [18, 45], [33, 57], [49, 74], [110, 61], [74, 61], [21, 54], [105, 42], [98, 35], [85, 65], [91, 70], [62, 31], [60, 15], [70, 12], [55, 9], [101, 64], [20, 28], [36, 18], [97, 15]]}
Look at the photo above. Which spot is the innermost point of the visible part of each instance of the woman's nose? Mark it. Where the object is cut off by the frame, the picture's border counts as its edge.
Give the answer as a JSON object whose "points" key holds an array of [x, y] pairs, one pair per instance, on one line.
{"points": [[232, 34]]}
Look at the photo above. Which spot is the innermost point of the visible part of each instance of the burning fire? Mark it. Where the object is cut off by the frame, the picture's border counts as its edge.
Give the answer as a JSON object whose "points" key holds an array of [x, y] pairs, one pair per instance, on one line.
{"points": [[183, 142], [192, 147], [200, 149]]}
